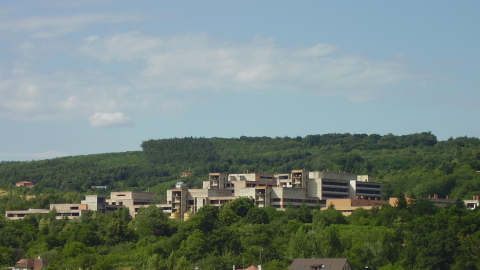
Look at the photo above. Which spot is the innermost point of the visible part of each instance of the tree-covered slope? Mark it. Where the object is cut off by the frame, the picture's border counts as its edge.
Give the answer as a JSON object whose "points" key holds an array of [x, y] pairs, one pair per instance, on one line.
{"points": [[416, 163]]}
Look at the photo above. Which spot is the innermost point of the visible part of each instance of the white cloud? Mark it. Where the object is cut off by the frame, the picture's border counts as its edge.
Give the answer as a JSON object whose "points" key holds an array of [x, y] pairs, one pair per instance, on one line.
{"points": [[71, 103], [134, 72], [109, 120], [197, 61]]}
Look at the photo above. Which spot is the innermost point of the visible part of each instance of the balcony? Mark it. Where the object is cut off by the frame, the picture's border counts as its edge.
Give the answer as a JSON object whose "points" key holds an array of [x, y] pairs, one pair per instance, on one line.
{"points": [[369, 188], [376, 193]]}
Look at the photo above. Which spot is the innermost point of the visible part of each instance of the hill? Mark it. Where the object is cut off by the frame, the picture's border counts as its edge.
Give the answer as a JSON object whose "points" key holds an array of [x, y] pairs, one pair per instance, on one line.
{"points": [[418, 164]]}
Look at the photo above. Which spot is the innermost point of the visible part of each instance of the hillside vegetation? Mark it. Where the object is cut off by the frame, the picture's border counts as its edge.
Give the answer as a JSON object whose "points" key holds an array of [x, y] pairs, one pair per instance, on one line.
{"points": [[416, 164], [411, 235]]}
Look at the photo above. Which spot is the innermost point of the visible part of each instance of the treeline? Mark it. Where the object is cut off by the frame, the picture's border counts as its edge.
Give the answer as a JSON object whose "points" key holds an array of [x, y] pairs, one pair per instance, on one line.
{"points": [[408, 236], [416, 164]]}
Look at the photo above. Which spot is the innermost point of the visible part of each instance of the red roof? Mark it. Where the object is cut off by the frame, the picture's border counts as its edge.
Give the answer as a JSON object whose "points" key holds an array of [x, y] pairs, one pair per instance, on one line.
{"points": [[35, 264], [25, 184]]}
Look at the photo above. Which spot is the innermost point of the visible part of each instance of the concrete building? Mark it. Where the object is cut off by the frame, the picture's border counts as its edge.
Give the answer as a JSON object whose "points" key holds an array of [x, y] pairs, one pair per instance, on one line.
{"points": [[277, 190], [130, 199]]}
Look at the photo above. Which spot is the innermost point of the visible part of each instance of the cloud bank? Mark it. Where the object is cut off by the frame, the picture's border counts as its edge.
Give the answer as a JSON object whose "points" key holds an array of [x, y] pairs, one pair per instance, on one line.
{"points": [[146, 73]]}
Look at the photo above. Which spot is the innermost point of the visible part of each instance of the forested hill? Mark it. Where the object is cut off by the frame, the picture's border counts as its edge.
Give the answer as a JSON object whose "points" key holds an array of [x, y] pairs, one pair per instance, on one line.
{"points": [[417, 164]]}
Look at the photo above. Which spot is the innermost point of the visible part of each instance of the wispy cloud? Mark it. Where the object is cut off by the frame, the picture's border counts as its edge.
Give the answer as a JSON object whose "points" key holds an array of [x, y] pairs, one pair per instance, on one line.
{"points": [[135, 72], [52, 26], [197, 61], [109, 120]]}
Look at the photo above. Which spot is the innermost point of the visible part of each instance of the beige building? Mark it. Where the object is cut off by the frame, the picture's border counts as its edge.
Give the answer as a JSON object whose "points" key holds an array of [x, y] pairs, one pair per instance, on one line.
{"points": [[277, 190], [347, 206], [130, 199]]}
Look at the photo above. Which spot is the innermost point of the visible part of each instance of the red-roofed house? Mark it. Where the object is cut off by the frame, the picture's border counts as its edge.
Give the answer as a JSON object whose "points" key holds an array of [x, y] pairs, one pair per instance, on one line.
{"points": [[185, 174], [31, 264], [24, 184]]}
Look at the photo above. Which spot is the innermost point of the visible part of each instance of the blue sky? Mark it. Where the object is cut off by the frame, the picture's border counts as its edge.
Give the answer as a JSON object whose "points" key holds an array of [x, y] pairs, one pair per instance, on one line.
{"points": [[103, 76]]}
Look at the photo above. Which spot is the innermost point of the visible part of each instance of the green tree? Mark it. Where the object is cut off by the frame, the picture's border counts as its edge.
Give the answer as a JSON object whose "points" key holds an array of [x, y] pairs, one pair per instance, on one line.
{"points": [[151, 221], [304, 214], [257, 215], [240, 206], [196, 245], [227, 217]]}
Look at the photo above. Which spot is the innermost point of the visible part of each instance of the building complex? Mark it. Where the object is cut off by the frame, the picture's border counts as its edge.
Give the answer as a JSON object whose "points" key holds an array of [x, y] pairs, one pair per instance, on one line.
{"points": [[276, 190], [346, 192]]}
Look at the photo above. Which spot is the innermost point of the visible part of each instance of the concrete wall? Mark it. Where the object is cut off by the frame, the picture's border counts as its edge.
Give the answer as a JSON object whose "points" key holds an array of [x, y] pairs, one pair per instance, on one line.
{"points": [[314, 188], [365, 178], [332, 175]]}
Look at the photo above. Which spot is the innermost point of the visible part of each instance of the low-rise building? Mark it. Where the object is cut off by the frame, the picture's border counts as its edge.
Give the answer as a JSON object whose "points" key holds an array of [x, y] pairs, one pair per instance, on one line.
{"points": [[25, 184], [347, 206], [129, 199], [31, 264], [185, 174]]}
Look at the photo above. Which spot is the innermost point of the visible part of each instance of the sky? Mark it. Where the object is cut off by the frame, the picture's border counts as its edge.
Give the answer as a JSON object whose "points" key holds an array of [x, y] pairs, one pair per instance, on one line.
{"points": [[88, 77]]}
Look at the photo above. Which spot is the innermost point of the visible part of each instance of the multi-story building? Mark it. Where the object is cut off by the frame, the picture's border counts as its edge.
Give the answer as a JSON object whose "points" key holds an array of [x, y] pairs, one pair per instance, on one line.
{"points": [[277, 190]]}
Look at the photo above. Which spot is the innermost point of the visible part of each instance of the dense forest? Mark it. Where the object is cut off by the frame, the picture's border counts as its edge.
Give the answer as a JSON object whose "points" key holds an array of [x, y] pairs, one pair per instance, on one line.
{"points": [[408, 236]]}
